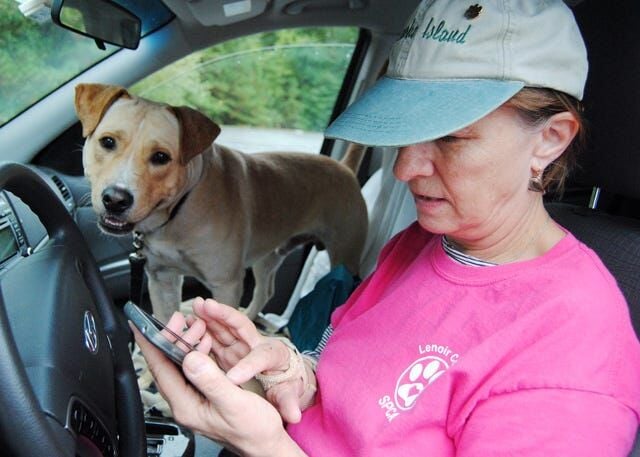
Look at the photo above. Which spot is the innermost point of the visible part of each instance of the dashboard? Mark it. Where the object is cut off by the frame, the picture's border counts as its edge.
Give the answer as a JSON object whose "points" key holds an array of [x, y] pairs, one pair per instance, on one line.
{"points": [[12, 240], [21, 232]]}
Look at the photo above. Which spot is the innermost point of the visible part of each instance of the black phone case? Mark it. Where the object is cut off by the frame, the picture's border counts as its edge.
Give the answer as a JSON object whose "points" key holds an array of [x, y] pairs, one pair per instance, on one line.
{"points": [[151, 329]]}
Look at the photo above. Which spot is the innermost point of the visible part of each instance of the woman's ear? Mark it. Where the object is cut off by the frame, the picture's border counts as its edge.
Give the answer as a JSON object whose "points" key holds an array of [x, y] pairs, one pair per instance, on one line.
{"points": [[555, 136]]}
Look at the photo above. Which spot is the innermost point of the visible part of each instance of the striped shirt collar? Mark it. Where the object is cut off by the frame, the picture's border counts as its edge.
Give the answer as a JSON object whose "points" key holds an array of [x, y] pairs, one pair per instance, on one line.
{"points": [[461, 257]]}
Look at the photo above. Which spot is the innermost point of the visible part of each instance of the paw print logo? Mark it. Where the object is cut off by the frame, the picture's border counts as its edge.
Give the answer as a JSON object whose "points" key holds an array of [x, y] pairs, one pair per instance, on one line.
{"points": [[416, 378]]}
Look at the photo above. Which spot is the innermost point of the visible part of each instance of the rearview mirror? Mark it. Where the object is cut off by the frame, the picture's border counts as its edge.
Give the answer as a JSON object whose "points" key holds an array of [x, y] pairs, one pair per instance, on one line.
{"points": [[102, 20]]}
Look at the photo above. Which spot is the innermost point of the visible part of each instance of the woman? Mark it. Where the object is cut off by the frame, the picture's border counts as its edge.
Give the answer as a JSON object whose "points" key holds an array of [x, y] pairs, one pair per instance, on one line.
{"points": [[486, 329]]}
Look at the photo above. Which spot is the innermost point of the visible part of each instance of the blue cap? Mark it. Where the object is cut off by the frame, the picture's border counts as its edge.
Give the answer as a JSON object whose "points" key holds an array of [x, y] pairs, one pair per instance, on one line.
{"points": [[399, 112], [456, 62]]}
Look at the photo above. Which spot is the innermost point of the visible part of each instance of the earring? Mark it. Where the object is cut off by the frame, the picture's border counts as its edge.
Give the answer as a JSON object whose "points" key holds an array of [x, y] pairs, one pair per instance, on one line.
{"points": [[535, 182]]}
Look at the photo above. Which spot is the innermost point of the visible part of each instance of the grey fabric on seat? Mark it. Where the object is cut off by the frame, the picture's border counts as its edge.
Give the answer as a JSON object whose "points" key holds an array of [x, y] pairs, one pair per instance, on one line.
{"points": [[615, 239], [612, 160]]}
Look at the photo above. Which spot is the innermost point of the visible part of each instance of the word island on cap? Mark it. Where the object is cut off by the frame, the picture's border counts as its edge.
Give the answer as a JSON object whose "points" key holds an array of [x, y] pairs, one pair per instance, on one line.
{"points": [[438, 32]]}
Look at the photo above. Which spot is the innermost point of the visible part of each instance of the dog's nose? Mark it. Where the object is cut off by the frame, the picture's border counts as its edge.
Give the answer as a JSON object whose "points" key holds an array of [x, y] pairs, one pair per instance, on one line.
{"points": [[116, 200]]}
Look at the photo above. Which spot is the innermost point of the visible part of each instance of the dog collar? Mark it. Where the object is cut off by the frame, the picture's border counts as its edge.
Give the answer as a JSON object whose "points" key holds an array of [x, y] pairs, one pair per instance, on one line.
{"points": [[172, 215], [137, 259], [175, 209]]}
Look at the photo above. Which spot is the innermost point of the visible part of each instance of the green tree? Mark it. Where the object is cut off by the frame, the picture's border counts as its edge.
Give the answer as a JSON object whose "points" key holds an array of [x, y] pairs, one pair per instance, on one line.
{"points": [[283, 79], [36, 58]]}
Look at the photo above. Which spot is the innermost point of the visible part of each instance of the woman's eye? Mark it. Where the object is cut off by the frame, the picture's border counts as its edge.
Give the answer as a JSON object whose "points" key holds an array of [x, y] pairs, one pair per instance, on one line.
{"points": [[449, 139], [108, 143], [160, 158]]}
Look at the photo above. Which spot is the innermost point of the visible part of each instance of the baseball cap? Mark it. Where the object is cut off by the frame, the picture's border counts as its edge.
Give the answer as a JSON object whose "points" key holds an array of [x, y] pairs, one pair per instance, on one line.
{"points": [[456, 61]]}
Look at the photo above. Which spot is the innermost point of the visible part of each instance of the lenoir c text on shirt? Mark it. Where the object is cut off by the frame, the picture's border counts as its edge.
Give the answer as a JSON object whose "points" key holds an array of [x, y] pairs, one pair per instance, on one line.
{"points": [[444, 351], [416, 378]]}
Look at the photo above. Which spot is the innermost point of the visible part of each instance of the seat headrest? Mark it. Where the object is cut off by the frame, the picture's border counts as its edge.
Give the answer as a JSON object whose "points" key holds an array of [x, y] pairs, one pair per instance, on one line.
{"points": [[612, 96]]}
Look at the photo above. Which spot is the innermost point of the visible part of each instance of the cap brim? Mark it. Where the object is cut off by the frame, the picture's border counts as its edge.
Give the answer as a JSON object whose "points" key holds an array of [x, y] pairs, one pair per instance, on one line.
{"points": [[399, 112]]}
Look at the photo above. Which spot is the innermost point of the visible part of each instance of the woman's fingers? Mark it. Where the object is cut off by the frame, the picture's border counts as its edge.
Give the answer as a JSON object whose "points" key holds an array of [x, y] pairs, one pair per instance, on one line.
{"points": [[193, 334], [196, 329], [228, 356], [286, 398], [226, 398], [271, 355], [230, 414], [177, 322], [185, 402], [235, 341], [210, 380], [202, 398], [222, 333], [234, 321], [168, 376], [205, 345]]}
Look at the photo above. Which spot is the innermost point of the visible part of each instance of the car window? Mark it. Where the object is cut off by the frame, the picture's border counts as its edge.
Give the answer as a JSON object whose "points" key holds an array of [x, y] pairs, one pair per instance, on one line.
{"points": [[37, 57], [268, 91]]}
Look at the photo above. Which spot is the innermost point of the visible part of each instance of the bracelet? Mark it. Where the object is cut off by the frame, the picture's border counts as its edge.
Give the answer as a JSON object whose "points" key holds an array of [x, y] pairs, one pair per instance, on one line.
{"points": [[308, 396], [296, 370]]}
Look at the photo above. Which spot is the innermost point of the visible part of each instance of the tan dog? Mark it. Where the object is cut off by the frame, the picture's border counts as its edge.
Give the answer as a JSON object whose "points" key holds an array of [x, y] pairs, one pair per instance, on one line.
{"points": [[207, 211]]}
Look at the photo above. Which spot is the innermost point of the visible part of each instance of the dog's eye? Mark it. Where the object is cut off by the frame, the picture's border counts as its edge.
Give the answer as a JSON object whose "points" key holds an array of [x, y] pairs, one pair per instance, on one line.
{"points": [[160, 158], [108, 143]]}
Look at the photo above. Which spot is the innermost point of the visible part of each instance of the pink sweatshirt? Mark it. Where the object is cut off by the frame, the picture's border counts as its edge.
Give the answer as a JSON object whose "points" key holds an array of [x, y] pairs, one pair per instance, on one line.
{"points": [[433, 358]]}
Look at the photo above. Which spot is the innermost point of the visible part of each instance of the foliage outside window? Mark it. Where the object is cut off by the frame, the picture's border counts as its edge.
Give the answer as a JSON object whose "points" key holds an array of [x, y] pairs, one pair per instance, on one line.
{"points": [[288, 79], [37, 58]]}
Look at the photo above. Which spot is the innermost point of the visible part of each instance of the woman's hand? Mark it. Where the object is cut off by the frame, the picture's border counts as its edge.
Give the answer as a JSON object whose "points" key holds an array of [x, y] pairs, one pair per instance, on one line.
{"points": [[241, 351], [214, 406]]}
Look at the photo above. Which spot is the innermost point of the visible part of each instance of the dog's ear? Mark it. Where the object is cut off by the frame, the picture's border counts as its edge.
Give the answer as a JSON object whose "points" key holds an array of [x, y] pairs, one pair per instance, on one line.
{"points": [[197, 132], [92, 101]]}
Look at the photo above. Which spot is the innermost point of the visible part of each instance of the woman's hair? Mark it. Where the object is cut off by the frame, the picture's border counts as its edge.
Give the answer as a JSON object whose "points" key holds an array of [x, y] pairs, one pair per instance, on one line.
{"points": [[536, 105]]}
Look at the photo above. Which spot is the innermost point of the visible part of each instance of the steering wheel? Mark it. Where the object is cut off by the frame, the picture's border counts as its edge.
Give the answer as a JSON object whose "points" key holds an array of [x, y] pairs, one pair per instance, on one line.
{"points": [[68, 386]]}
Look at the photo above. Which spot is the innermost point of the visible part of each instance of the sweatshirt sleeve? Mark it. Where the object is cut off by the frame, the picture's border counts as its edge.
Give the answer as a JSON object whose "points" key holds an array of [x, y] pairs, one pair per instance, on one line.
{"points": [[548, 422]]}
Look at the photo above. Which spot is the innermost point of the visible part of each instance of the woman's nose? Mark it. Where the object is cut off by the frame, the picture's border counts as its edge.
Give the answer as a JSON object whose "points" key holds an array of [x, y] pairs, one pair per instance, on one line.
{"points": [[413, 161]]}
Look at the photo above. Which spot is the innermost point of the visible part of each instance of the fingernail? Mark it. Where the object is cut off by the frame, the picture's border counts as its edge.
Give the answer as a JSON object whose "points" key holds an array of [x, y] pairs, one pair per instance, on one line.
{"points": [[296, 416], [195, 362], [234, 376]]}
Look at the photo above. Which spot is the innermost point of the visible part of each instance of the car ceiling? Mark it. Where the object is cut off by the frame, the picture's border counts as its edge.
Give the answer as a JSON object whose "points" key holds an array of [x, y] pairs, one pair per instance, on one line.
{"points": [[383, 16], [376, 15]]}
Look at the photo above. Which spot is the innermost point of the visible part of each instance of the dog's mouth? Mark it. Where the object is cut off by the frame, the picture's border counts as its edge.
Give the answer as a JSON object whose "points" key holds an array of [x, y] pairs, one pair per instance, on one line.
{"points": [[114, 225]]}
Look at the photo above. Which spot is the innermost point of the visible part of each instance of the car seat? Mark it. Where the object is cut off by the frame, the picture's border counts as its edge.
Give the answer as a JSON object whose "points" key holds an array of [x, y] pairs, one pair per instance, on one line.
{"points": [[610, 166], [390, 208]]}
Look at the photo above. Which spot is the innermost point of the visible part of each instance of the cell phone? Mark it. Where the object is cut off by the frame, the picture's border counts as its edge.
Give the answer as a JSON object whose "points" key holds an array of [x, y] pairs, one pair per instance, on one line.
{"points": [[152, 329]]}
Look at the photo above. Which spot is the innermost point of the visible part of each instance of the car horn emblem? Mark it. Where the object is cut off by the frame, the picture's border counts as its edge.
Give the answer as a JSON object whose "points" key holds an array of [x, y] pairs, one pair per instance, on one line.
{"points": [[90, 333]]}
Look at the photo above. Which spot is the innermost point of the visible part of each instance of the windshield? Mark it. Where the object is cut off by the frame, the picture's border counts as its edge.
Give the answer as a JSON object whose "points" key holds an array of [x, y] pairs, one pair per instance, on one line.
{"points": [[37, 57]]}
